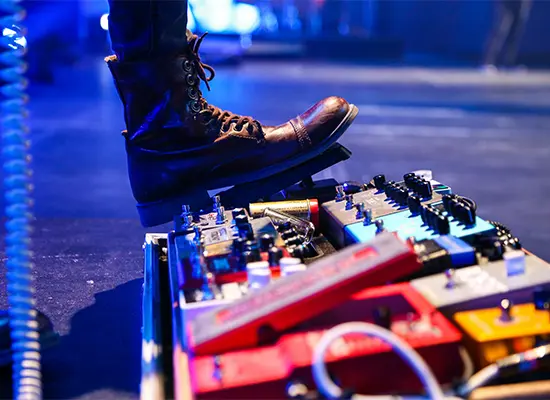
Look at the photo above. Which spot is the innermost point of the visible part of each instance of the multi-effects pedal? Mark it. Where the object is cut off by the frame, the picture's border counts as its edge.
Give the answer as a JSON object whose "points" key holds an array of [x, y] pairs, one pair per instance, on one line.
{"points": [[260, 300]]}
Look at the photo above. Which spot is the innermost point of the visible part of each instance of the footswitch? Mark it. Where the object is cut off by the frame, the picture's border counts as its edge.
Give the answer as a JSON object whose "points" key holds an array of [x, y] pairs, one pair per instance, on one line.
{"points": [[482, 286], [358, 362], [494, 333]]}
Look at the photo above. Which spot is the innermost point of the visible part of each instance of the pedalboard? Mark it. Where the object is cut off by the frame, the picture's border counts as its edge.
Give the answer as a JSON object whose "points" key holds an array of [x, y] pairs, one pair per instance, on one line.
{"points": [[256, 280]]}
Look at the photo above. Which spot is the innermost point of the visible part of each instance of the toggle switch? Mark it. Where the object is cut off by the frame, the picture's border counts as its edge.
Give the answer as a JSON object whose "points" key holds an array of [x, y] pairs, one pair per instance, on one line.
{"points": [[349, 201], [367, 217], [340, 193]]}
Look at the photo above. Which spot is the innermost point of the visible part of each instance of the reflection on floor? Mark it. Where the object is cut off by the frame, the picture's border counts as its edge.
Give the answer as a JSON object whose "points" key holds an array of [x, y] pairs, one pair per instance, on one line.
{"points": [[486, 135]]}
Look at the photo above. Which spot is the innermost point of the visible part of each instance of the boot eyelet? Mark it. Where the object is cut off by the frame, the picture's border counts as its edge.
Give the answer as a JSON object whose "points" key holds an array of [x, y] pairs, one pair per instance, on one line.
{"points": [[239, 130], [190, 80], [192, 93], [195, 106], [187, 66]]}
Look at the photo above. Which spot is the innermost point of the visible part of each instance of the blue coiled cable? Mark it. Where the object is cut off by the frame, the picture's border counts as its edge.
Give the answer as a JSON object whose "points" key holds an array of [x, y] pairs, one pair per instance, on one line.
{"points": [[27, 382]]}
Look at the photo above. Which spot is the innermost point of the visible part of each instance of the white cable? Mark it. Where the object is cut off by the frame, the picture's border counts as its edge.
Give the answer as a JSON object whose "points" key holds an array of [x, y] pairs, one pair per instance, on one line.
{"points": [[327, 387], [479, 379]]}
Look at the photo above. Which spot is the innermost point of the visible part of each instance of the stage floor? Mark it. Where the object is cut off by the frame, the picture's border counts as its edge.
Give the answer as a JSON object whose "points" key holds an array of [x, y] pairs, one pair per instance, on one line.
{"points": [[485, 135]]}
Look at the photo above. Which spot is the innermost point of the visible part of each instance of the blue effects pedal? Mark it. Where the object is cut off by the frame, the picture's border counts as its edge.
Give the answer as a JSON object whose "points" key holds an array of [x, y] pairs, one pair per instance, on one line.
{"points": [[448, 217]]}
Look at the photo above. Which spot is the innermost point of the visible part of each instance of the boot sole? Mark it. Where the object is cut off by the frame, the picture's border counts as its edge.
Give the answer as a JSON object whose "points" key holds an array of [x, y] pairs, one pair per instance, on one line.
{"points": [[163, 211]]}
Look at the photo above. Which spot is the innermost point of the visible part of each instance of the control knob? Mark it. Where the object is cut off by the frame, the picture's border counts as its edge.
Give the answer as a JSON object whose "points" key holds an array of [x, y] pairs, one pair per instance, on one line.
{"points": [[506, 310], [442, 225], [424, 189], [237, 211], [379, 181], [266, 242], [241, 220], [274, 256], [415, 204], [408, 179]]}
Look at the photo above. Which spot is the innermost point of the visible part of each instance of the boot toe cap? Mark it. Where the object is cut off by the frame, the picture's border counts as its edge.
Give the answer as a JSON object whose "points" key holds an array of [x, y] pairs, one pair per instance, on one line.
{"points": [[324, 118]]}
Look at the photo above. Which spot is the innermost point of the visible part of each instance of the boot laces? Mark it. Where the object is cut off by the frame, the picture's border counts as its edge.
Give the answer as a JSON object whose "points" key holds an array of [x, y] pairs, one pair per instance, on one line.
{"points": [[225, 118]]}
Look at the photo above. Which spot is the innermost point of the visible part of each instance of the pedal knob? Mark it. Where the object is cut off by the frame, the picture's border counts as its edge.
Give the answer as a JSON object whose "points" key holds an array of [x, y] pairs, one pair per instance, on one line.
{"points": [[245, 231], [388, 187], [506, 310], [447, 198], [360, 207], [414, 181], [454, 205], [241, 220], [274, 255], [425, 189], [415, 204], [433, 216], [451, 279], [251, 246], [349, 201], [463, 213], [367, 217], [379, 181], [340, 194], [442, 225], [469, 218], [394, 191], [402, 197], [266, 242], [237, 211], [238, 246], [408, 178], [382, 317], [424, 213], [379, 226]]}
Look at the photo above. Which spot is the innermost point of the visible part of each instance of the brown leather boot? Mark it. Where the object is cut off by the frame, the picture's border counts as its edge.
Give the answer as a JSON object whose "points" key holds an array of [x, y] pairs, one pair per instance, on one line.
{"points": [[178, 144]]}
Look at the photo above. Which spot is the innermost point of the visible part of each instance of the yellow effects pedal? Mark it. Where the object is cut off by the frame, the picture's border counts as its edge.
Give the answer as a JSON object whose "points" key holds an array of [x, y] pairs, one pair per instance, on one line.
{"points": [[494, 333]]}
